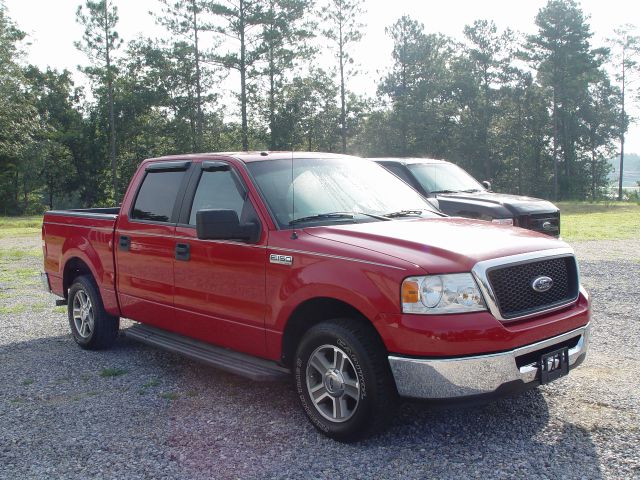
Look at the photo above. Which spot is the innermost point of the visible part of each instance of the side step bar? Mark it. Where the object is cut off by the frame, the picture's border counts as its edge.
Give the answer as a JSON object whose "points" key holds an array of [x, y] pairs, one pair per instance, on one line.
{"points": [[234, 362]]}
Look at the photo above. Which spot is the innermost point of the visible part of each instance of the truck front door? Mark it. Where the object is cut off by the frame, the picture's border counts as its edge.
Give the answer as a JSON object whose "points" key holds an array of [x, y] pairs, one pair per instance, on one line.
{"points": [[220, 284]]}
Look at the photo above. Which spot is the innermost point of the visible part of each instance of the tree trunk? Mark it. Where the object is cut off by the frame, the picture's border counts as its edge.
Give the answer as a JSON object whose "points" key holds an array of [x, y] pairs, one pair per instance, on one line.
{"points": [[200, 117], [112, 128], [272, 82], [623, 128], [555, 146], [243, 81], [343, 108]]}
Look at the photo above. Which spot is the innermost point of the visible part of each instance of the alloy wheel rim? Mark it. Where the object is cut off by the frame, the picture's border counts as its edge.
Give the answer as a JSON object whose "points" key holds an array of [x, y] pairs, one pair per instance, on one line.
{"points": [[83, 314], [332, 383]]}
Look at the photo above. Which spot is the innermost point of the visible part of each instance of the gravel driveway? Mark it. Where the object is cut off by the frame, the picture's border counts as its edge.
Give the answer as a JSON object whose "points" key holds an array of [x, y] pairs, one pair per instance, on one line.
{"points": [[137, 412]]}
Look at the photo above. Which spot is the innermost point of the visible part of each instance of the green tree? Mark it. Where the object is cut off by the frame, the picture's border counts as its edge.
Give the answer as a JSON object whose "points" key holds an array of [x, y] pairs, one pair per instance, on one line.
{"points": [[285, 32], [566, 65], [420, 90], [343, 27], [625, 46], [56, 147], [307, 115], [99, 19], [186, 21], [489, 55], [239, 21], [19, 122], [600, 116]]}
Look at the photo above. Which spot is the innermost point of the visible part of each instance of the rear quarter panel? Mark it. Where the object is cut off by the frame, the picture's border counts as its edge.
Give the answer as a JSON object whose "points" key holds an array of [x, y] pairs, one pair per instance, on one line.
{"points": [[89, 239]]}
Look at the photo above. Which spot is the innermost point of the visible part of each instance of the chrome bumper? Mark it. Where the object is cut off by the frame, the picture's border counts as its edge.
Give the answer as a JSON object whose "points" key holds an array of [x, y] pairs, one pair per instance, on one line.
{"points": [[477, 375], [44, 280]]}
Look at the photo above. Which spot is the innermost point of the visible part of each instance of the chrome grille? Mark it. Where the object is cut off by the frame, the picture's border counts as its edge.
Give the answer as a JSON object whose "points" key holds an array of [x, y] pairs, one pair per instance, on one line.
{"points": [[513, 291]]}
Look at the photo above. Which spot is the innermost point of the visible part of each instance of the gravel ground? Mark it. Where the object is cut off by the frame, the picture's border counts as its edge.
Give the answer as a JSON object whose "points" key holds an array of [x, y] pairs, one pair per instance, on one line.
{"points": [[137, 412]]}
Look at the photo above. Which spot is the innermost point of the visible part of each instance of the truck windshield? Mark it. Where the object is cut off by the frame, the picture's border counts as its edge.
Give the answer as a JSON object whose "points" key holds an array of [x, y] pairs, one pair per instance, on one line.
{"points": [[444, 178], [335, 190]]}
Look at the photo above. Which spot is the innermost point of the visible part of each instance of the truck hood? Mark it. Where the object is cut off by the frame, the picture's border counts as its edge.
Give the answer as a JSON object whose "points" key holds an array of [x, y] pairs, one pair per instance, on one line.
{"points": [[514, 204], [437, 245]]}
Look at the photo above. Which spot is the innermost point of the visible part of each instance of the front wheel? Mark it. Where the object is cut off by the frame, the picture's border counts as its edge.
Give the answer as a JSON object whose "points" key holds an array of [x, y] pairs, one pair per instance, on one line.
{"points": [[343, 379], [91, 326]]}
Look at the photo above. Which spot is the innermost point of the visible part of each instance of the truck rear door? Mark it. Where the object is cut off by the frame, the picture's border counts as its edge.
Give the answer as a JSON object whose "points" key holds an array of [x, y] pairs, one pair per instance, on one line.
{"points": [[220, 284], [145, 243]]}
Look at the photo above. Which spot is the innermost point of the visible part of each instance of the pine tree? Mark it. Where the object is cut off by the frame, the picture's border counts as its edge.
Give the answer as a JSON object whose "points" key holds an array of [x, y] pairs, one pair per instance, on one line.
{"points": [[239, 21], [286, 30], [626, 61], [343, 28], [99, 42], [186, 21], [566, 64]]}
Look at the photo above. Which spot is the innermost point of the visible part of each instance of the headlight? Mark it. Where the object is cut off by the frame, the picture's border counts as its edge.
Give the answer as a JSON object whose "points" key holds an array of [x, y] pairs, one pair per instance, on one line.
{"points": [[436, 294], [503, 221]]}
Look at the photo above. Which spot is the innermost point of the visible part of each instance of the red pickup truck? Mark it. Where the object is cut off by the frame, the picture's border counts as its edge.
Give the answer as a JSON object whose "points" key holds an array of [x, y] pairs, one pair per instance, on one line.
{"points": [[324, 267]]}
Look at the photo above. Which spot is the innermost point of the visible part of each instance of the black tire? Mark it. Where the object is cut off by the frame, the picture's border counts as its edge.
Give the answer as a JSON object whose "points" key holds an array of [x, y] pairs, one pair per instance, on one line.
{"points": [[97, 329], [368, 364]]}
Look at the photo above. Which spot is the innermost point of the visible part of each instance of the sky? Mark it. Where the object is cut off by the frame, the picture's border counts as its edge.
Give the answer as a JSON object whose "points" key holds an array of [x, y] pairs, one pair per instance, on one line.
{"points": [[52, 29]]}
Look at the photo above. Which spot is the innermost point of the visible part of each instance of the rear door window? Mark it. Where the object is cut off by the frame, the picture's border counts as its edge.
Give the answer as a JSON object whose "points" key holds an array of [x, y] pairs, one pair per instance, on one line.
{"points": [[157, 196]]}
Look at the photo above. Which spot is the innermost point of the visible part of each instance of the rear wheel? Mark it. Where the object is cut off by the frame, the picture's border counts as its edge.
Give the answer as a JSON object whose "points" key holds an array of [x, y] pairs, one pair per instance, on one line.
{"points": [[91, 326], [343, 379]]}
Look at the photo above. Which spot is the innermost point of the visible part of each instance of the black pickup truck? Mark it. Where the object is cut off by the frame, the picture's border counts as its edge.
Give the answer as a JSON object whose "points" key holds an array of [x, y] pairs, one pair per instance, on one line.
{"points": [[458, 194]]}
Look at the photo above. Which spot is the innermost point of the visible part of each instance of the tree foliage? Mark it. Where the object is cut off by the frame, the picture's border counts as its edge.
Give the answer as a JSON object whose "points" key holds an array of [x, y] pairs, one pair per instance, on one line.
{"points": [[536, 115]]}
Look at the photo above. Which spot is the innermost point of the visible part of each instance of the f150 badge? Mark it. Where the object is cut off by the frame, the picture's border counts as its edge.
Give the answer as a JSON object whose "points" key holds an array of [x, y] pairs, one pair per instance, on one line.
{"points": [[281, 259]]}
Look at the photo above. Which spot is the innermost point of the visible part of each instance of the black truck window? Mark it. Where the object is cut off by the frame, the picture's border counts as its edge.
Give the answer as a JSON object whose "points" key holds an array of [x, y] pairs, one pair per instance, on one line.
{"points": [[157, 196]]}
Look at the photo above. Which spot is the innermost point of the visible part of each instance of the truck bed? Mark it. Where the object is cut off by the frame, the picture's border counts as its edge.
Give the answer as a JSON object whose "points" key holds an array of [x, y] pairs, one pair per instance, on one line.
{"points": [[87, 237]]}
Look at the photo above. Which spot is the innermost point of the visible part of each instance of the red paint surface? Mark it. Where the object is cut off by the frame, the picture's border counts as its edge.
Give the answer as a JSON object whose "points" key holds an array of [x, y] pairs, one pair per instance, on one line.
{"points": [[229, 294]]}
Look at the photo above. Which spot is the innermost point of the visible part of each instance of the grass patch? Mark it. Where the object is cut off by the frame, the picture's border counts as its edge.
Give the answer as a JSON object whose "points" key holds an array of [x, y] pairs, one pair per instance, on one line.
{"points": [[169, 395], [27, 381], [13, 309], [18, 276], [11, 254], [12, 227], [599, 221], [21, 222], [112, 372], [154, 382]]}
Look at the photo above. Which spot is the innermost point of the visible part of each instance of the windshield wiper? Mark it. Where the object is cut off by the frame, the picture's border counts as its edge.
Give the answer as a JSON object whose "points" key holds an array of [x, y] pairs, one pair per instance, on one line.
{"points": [[471, 190], [443, 191], [336, 215], [322, 216], [404, 213]]}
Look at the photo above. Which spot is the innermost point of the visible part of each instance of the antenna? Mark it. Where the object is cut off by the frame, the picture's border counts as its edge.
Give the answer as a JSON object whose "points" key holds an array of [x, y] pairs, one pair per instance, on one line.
{"points": [[294, 235]]}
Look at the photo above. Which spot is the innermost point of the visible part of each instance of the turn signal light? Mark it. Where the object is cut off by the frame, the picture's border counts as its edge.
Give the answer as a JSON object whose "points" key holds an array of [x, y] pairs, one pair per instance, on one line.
{"points": [[410, 292]]}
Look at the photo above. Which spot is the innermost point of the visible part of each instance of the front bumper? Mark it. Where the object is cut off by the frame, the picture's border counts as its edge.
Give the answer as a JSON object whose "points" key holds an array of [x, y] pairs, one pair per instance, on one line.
{"points": [[482, 374]]}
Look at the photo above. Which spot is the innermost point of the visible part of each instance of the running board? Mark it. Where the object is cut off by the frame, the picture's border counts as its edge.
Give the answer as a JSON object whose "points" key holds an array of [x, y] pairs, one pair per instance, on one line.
{"points": [[224, 359]]}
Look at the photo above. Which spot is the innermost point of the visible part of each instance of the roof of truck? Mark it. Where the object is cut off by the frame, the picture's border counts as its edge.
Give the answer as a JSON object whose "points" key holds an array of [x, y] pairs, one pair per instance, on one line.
{"points": [[250, 156], [408, 161]]}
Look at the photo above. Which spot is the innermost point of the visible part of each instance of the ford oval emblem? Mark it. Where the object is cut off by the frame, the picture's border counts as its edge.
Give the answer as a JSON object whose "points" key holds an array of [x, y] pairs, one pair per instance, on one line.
{"points": [[546, 226], [542, 284]]}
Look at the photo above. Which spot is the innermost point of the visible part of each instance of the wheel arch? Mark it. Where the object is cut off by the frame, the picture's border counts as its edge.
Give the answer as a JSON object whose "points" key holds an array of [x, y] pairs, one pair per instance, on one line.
{"points": [[73, 268], [310, 313]]}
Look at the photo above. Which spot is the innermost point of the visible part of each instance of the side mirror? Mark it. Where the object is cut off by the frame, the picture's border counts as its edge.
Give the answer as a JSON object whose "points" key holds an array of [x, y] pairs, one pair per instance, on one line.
{"points": [[486, 184], [224, 225]]}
